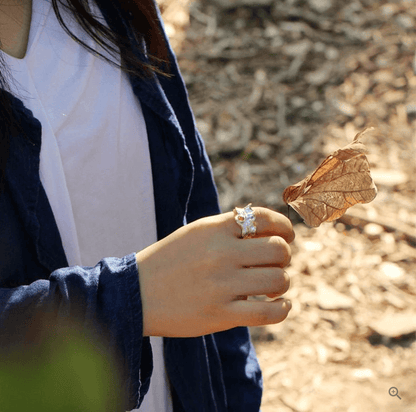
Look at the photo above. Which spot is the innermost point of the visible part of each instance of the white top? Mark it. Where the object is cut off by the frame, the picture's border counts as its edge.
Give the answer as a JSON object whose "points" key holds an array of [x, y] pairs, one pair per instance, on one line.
{"points": [[94, 161]]}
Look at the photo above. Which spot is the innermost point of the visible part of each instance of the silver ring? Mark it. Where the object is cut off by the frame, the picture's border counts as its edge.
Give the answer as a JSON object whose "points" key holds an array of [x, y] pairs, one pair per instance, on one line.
{"points": [[246, 219]]}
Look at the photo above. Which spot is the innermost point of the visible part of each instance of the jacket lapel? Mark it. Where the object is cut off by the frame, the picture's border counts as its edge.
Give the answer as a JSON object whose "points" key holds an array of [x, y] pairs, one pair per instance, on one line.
{"points": [[22, 176], [172, 165]]}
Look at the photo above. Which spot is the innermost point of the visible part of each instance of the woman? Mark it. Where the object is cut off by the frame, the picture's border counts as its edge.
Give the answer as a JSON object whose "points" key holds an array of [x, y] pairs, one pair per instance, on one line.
{"points": [[102, 159]]}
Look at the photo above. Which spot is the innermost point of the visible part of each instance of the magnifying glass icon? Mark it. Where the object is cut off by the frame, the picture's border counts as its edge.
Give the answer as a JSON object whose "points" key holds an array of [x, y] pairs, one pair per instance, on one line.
{"points": [[394, 392]]}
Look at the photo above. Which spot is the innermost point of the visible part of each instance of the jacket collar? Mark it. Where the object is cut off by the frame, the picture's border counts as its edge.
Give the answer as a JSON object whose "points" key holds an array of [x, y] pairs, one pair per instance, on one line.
{"points": [[149, 90]]}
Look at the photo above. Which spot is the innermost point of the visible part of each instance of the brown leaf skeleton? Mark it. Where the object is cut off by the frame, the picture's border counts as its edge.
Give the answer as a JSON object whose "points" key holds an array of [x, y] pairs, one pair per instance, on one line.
{"points": [[342, 180]]}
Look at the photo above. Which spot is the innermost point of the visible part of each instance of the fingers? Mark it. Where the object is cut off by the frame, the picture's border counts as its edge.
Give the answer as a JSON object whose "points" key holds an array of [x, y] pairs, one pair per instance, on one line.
{"points": [[267, 251], [273, 295], [260, 281], [257, 313], [269, 223]]}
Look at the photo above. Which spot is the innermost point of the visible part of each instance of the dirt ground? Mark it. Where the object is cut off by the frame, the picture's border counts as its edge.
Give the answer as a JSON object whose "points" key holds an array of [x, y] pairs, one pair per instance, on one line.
{"points": [[275, 87]]}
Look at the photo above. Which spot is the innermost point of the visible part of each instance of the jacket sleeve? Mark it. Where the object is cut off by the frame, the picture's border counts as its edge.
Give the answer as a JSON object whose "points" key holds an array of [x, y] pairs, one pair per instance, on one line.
{"points": [[104, 300]]}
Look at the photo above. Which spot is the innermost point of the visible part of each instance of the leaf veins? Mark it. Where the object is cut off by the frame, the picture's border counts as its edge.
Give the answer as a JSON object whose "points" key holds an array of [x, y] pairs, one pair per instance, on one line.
{"points": [[342, 180]]}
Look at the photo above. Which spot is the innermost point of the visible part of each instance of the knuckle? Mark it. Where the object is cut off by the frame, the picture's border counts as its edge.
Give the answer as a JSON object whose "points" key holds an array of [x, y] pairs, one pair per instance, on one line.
{"points": [[283, 253], [281, 282], [261, 211]]}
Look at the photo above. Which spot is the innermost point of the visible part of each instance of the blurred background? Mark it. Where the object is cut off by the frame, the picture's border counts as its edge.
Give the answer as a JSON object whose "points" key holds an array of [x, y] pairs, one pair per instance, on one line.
{"points": [[276, 86], [58, 368]]}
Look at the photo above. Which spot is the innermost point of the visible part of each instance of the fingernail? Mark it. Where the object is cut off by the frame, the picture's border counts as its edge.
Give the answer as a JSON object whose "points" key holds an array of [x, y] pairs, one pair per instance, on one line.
{"points": [[288, 304]]}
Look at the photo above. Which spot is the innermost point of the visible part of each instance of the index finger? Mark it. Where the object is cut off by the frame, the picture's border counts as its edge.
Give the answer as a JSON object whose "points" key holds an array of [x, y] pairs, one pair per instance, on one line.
{"points": [[270, 223]]}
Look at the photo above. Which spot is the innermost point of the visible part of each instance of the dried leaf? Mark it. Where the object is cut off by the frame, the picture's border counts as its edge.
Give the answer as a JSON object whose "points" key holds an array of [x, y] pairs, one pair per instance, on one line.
{"points": [[342, 180]]}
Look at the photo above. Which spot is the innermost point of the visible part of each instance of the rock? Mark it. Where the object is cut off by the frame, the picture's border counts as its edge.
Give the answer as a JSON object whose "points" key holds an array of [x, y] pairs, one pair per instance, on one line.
{"points": [[329, 298], [373, 230], [331, 53], [391, 270], [362, 374], [320, 76], [321, 6], [405, 21], [394, 96], [395, 325], [298, 102], [296, 49], [388, 10], [312, 246], [345, 108], [263, 151]]}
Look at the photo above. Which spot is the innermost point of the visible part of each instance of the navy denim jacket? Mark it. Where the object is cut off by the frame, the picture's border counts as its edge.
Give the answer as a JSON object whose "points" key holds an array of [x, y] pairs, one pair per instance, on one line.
{"points": [[217, 372]]}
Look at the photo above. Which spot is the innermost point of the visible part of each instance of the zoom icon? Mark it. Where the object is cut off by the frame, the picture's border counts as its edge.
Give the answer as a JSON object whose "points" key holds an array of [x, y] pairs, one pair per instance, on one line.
{"points": [[393, 391]]}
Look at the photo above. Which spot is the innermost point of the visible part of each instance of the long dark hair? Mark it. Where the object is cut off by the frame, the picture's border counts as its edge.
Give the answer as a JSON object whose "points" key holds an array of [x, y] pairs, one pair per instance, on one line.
{"points": [[142, 17]]}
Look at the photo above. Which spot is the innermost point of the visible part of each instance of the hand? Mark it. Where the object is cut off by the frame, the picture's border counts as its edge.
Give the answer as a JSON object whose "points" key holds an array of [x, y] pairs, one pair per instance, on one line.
{"points": [[196, 280]]}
